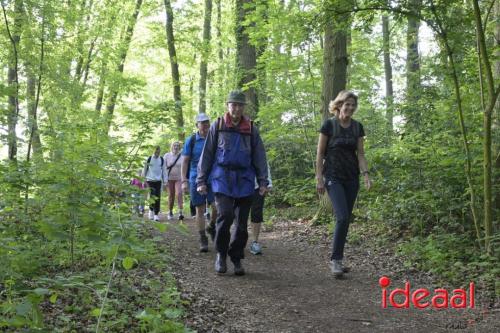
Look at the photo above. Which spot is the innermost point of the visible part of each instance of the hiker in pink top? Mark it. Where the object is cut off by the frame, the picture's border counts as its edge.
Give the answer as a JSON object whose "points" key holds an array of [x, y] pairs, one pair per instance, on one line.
{"points": [[173, 161], [138, 195]]}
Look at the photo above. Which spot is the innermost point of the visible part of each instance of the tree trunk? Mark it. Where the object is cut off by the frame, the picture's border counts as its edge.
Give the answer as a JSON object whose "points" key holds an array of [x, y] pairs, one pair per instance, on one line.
{"points": [[221, 68], [205, 53], [14, 32], [175, 69], [32, 113], [490, 105], [335, 59], [246, 58], [100, 91], [124, 46], [496, 115], [389, 93], [413, 67]]}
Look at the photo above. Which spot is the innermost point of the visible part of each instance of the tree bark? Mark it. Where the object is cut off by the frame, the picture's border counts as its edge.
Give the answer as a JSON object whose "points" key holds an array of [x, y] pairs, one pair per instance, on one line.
{"points": [[12, 77], [246, 58], [32, 112], [123, 50], [413, 66], [487, 145], [335, 59], [495, 128], [175, 69], [205, 52], [389, 92]]}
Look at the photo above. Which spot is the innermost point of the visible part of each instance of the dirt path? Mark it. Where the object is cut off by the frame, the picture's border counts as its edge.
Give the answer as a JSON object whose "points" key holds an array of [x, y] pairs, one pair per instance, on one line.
{"points": [[290, 289]]}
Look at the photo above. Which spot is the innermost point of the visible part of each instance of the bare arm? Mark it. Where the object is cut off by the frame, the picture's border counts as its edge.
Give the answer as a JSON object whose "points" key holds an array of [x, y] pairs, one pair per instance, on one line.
{"points": [[185, 168], [320, 155], [363, 164]]}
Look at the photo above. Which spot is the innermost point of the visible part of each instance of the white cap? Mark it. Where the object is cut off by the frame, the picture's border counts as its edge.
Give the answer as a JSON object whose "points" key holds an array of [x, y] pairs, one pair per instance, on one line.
{"points": [[202, 117]]}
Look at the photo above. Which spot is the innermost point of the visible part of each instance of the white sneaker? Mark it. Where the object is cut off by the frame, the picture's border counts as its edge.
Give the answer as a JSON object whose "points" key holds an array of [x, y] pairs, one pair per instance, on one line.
{"points": [[156, 218], [151, 214], [170, 216]]}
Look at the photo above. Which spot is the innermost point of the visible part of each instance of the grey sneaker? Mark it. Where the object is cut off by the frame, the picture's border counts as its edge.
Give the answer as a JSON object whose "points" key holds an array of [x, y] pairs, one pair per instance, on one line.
{"points": [[336, 267], [255, 248], [170, 216], [203, 242]]}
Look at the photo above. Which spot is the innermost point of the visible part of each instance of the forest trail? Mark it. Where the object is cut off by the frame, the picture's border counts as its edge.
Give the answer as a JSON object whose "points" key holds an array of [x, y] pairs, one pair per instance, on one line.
{"points": [[291, 289]]}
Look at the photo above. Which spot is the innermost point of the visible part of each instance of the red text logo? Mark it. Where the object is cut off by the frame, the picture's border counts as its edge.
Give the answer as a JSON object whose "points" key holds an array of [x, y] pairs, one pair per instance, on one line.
{"points": [[422, 298]]}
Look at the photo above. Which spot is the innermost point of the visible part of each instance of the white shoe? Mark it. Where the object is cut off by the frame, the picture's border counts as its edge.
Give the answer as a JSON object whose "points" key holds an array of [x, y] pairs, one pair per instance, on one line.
{"points": [[156, 218], [151, 214], [170, 216]]}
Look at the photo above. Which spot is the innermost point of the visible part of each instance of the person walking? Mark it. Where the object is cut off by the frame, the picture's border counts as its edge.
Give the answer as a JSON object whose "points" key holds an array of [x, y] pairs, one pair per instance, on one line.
{"points": [[233, 157], [257, 214], [154, 172], [191, 155], [173, 160], [340, 159]]}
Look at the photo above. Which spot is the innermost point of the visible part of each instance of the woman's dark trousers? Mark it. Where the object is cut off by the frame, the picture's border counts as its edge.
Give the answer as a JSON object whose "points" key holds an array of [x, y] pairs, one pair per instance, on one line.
{"points": [[343, 195]]}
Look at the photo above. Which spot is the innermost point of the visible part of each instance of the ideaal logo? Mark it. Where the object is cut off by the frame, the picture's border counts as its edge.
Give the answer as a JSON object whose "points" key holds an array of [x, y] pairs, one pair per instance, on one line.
{"points": [[421, 298]]}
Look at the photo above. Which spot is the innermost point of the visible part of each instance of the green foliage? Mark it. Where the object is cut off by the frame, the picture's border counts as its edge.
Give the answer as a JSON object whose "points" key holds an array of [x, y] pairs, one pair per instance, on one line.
{"points": [[439, 253]]}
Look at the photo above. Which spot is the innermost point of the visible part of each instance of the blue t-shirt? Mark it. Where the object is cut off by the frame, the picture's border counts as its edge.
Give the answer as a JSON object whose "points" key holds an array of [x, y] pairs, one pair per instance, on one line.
{"points": [[194, 155]]}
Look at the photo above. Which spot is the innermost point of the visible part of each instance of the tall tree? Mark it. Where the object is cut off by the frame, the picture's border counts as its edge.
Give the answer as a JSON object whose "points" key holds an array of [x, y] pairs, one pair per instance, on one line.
{"points": [[174, 65], [496, 115], [389, 92], [335, 58], [14, 34], [489, 105], [246, 57], [205, 52], [122, 55], [413, 65]]}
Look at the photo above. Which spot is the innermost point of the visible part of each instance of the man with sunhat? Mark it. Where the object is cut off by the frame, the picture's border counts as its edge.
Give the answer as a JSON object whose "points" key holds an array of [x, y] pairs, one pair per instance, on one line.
{"points": [[191, 153], [233, 157]]}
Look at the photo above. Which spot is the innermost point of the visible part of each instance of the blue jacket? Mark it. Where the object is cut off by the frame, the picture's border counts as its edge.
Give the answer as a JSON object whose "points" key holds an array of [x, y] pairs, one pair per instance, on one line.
{"points": [[233, 157]]}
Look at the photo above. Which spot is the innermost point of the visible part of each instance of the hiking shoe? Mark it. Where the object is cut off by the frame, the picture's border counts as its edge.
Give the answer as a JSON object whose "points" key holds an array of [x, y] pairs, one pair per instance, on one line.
{"points": [[151, 215], [255, 248], [210, 229], [238, 268], [170, 216], [336, 267], [220, 264], [156, 218], [345, 268], [181, 217], [203, 242]]}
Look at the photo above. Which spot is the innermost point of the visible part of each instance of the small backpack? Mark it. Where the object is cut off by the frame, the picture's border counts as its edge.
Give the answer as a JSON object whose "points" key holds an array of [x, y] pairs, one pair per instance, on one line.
{"points": [[356, 128]]}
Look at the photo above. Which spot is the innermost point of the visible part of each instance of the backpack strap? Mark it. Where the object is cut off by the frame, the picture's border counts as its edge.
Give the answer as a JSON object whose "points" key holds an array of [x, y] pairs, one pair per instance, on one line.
{"points": [[161, 158], [356, 128], [147, 166], [335, 127], [191, 144]]}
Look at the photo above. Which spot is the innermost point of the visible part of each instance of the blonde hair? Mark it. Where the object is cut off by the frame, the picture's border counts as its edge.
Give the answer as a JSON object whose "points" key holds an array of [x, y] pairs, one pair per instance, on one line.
{"points": [[335, 105], [173, 144]]}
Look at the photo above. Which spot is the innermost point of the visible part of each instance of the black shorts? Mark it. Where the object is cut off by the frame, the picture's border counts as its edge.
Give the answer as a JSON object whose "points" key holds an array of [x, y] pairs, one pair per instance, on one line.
{"points": [[257, 211]]}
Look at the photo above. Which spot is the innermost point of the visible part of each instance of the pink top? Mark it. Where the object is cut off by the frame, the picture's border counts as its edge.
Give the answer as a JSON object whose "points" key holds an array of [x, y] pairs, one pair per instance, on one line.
{"points": [[136, 182], [175, 172]]}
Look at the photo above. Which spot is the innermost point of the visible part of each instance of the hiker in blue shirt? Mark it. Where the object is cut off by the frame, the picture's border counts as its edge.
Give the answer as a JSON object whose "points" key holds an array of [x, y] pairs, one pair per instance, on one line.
{"points": [[191, 153], [233, 157]]}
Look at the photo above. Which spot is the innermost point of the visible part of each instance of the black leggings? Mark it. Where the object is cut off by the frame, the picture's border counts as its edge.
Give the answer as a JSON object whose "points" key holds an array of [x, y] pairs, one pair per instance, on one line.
{"points": [[155, 190]]}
